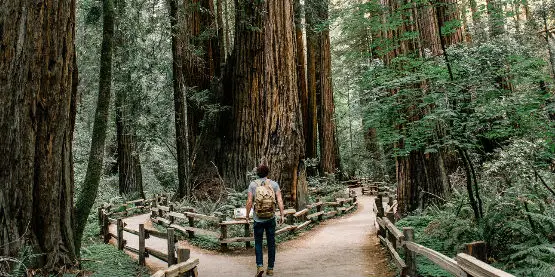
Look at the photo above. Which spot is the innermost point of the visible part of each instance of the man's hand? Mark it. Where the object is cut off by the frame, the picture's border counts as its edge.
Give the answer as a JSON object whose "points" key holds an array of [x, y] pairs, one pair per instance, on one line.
{"points": [[281, 219]]}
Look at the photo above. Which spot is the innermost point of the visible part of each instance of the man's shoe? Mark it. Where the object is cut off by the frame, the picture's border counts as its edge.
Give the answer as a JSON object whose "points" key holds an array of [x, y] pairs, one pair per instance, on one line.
{"points": [[259, 271], [270, 272]]}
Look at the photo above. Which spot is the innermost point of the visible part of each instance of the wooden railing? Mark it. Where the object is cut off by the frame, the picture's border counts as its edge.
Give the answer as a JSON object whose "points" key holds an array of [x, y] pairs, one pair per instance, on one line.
{"points": [[296, 220], [185, 267], [463, 265]]}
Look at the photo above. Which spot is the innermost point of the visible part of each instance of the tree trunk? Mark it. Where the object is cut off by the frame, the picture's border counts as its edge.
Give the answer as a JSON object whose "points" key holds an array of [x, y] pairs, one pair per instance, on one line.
{"points": [[301, 70], [313, 57], [221, 31], [326, 122], [180, 106], [201, 65], [89, 189], [265, 110], [38, 90], [129, 163]]}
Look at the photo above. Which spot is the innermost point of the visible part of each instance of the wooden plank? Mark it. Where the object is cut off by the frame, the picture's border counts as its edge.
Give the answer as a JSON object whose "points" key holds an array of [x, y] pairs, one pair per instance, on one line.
{"points": [[235, 222], [331, 204], [301, 212], [160, 255], [477, 268], [311, 216], [184, 229], [131, 249], [314, 205], [286, 229], [202, 216], [396, 258], [131, 231], [439, 259], [237, 239], [304, 224], [156, 233], [178, 269], [351, 207], [164, 208], [135, 201], [380, 222], [289, 211], [178, 215], [393, 230], [331, 214], [161, 221]]}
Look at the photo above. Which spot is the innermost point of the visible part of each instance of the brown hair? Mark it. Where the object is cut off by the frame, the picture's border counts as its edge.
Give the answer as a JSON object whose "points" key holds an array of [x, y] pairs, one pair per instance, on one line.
{"points": [[262, 171]]}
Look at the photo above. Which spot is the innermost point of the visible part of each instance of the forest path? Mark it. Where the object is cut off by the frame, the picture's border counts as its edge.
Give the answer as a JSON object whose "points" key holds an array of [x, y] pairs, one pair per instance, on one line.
{"points": [[345, 246]]}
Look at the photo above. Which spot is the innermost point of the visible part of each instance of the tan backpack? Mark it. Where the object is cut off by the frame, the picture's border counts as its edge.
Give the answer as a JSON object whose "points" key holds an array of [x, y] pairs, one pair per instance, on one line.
{"points": [[264, 200]]}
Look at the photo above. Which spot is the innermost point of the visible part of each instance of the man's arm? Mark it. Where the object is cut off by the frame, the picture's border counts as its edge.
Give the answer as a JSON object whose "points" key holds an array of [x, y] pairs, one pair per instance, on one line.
{"points": [[248, 206], [280, 205]]}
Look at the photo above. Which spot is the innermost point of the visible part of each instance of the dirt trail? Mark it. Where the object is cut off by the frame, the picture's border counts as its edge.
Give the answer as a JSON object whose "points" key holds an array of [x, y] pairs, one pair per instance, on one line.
{"points": [[345, 246]]}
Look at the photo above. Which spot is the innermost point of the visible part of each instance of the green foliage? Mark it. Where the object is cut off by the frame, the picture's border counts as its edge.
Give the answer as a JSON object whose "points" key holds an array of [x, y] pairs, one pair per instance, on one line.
{"points": [[106, 260]]}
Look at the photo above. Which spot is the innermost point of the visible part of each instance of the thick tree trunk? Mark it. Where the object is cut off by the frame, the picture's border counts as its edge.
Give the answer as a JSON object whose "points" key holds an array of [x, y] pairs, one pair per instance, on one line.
{"points": [[89, 189], [265, 111], [326, 123], [301, 70], [180, 106], [221, 32], [201, 65], [313, 58], [129, 163], [38, 89], [421, 177]]}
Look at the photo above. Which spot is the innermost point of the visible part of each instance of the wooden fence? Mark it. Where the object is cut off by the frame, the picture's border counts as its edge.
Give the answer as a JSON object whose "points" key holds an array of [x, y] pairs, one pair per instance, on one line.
{"points": [[463, 265], [296, 220]]}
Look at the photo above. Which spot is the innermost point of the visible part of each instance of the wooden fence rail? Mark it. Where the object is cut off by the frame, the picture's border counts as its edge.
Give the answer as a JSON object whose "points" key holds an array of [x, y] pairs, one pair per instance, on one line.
{"points": [[296, 220], [393, 239]]}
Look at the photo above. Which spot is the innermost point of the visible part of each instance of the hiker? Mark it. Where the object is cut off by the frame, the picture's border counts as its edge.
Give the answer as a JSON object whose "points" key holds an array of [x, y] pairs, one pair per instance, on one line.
{"points": [[265, 193]]}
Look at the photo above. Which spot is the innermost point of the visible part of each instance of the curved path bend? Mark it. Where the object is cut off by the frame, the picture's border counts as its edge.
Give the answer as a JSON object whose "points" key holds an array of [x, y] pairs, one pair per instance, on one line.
{"points": [[344, 246]]}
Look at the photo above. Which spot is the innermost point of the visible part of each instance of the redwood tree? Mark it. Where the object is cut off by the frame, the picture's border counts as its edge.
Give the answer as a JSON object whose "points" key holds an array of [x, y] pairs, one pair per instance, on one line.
{"points": [[129, 162], [265, 114], [38, 85]]}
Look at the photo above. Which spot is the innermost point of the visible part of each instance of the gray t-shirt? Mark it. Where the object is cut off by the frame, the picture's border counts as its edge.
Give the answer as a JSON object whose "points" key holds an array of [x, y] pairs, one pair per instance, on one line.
{"points": [[252, 189]]}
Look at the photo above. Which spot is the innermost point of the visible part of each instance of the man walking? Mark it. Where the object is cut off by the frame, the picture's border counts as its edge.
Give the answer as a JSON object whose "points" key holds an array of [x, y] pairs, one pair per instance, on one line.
{"points": [[265, 193]]}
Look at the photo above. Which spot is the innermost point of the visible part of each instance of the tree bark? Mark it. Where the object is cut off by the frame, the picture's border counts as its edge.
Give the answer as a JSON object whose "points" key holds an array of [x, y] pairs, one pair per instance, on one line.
{"points": [[38, 90], [265, 110], [326, 123], [301, 70], [313, 57], [89, 189], [180, 106], [128, 158]]}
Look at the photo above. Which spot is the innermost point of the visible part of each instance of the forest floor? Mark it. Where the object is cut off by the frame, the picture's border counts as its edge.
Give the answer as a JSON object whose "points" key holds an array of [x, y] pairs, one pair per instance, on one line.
{"points": [[345, 246]]}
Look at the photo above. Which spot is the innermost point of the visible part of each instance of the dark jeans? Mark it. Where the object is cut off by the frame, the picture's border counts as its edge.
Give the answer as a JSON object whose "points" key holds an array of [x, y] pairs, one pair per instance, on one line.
{"points": [[270, 227]]}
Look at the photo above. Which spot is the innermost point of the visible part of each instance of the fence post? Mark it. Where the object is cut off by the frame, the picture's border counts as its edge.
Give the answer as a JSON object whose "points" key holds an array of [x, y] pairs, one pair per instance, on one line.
{"points": [[191, 223], [477, 249], [379, 205], [183, 254], [410, 257], [171, 218], [223, 232], [247, 234], [319, 209], [105, 228], [390, 236], [289, 218], [120, 234], [171, 246], [390, 201], [142, 253]]}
